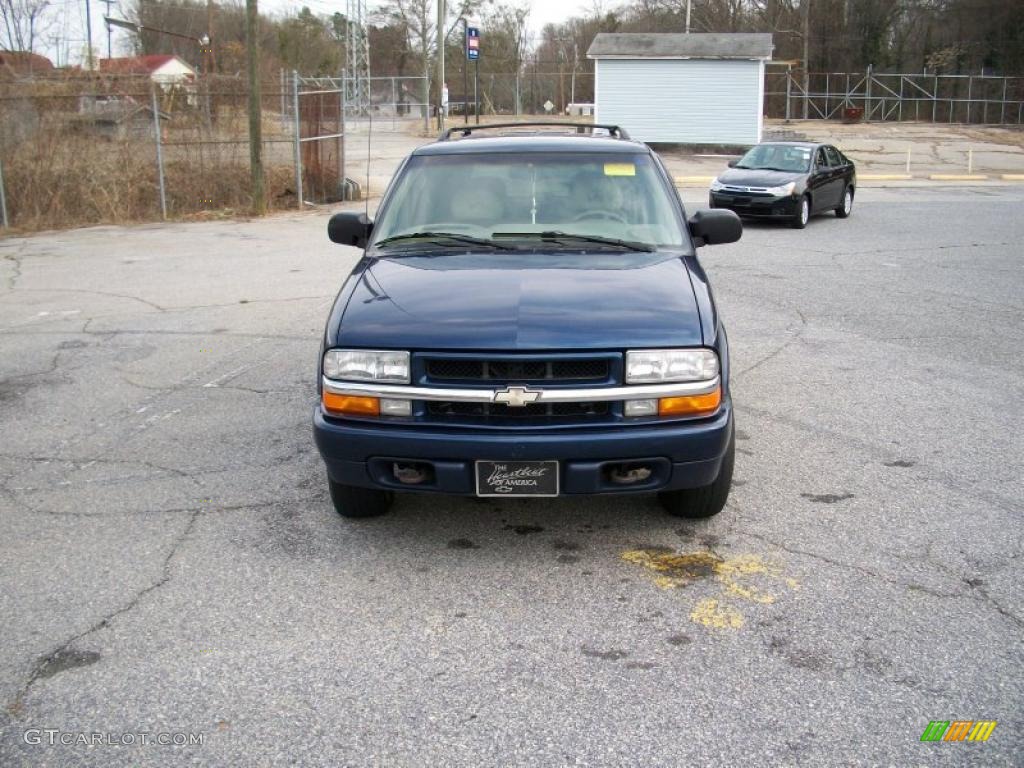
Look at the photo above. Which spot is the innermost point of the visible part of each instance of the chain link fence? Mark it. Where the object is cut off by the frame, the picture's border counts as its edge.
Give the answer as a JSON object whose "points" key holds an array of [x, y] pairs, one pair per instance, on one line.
{"points": [[86, 149], [883, 97]]}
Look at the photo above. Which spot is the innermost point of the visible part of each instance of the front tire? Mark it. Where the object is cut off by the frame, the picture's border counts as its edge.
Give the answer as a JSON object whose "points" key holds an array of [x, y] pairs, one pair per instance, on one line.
{"points": [[707, 501], [845, 207], [803, 213], [350, 501]]}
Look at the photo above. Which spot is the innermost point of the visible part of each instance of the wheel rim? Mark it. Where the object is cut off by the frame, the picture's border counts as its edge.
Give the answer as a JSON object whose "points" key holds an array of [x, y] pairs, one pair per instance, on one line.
{"points": [[805, 211], [847, 202]]}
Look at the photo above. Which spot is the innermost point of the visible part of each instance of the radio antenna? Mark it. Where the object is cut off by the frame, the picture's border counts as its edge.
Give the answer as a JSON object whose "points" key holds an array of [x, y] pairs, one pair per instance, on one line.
{"points": [[369, 136]]}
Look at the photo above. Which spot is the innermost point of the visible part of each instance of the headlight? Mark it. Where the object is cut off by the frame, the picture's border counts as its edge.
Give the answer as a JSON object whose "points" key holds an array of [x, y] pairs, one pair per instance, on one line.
{"points": [[653, 366], [717, 186], [785, 189], [367, 365]]}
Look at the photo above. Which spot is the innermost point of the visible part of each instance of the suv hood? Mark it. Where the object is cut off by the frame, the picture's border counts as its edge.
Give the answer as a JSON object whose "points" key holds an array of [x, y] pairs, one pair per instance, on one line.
{"points": [[501, 302]]}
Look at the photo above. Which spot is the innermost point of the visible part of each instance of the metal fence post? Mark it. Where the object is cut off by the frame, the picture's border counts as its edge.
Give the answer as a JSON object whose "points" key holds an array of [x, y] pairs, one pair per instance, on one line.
{"points": [[867, 95], [284, 101], [298, 128], [3, 199], [159, 150], [789, 86]]}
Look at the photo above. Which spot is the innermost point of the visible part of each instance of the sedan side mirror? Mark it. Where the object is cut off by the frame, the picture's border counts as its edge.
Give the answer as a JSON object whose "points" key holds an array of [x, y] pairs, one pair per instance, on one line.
{"points": [[714, 227], [732, 163], [350, 229]]}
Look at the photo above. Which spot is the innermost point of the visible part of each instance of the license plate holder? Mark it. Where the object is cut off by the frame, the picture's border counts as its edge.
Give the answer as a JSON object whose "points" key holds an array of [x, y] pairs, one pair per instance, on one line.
{"points": [[517, 478]]}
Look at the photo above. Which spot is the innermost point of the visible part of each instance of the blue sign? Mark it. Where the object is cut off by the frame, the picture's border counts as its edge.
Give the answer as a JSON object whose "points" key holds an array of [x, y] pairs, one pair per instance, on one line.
{"points": [[472, 43]]}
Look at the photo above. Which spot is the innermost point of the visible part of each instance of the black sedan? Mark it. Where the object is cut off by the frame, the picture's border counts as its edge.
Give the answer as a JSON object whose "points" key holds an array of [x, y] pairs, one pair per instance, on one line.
{"points": [[787, 180]]}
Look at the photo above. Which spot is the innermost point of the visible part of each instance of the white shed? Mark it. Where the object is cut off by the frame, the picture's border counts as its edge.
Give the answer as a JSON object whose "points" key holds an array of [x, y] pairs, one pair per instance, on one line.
{"points": [[698, 88]]}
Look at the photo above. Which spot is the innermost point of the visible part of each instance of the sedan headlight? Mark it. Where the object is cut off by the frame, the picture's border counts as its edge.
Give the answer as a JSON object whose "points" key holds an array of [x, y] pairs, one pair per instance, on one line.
{"points": [[785, 189], [367, 365], [654, 366], [717, 186]]}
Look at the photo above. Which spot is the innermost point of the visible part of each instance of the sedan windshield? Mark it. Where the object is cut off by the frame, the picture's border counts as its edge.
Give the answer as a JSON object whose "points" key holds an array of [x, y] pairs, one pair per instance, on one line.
{"points": [[777, 157], [564, 201]]}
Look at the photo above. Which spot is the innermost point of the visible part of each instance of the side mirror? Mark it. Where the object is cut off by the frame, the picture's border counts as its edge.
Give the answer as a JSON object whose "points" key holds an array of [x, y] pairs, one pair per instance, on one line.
{"points": [[732, 163], [350, 229], [714, 227]]}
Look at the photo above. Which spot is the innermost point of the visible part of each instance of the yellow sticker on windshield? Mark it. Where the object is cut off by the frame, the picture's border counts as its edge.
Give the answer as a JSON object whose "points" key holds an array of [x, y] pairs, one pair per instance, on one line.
{"points": [[619, 169]]}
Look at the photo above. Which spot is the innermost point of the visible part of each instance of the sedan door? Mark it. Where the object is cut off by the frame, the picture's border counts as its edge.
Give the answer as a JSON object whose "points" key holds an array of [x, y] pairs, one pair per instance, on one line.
{"points": [[838, 160], [825, 183]]}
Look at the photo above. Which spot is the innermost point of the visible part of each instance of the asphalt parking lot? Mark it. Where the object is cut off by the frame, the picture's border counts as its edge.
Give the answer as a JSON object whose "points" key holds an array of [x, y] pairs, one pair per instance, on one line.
{"points": [[171, 562]]}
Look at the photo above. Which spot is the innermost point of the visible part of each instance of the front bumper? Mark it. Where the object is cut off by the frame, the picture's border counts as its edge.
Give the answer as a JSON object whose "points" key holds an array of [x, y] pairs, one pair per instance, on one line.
{"points": [[685, 454], [756, 206]]}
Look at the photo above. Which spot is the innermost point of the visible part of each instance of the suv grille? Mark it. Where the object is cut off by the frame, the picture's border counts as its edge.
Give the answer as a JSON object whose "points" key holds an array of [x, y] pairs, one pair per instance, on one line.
{"points": [[492, 371], [485, 411], [518, 370]]}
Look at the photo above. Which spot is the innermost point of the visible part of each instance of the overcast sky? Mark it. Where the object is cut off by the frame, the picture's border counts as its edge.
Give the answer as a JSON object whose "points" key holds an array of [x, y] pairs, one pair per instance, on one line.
{"points": [[71, 24]]}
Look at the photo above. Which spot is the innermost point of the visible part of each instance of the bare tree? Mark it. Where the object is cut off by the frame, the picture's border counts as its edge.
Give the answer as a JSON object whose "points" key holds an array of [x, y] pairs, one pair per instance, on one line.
{"points": [[418, 19], [23, 22], [507, 27]]}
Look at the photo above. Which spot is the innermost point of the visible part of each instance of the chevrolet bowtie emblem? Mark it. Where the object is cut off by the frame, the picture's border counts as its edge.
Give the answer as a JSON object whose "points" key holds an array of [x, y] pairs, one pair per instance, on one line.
{"points": [[517, 397]]}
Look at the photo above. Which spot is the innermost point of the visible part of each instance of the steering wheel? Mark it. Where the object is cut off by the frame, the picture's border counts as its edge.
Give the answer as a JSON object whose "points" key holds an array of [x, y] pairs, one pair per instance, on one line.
{"points": [[595, 214]]}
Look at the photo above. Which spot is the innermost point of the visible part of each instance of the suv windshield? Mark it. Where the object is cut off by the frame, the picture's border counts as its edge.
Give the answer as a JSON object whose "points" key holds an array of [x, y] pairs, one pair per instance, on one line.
{"points": [[565, 200], [777, 157]]}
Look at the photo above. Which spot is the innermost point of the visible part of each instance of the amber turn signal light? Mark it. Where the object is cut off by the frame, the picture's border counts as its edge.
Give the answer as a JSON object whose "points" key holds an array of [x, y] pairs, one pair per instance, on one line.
{"points": [[349, 405], [690, 405]]}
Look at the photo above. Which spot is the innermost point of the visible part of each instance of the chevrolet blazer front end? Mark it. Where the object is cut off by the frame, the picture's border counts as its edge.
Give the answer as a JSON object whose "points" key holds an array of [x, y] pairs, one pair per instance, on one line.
{"points": [[477, 349]]}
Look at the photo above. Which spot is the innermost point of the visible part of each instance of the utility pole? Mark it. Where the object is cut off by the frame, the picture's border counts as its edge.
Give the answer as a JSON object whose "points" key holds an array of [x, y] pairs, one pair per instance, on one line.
{"points": [[88, 34], [442, 16], [465, 70], [252, 22], [687, 16], [805, 8], [108, 3], [211, 60]]}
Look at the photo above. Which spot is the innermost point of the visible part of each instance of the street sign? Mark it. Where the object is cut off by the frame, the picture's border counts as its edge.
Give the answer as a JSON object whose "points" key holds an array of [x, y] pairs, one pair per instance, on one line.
{"points": [[472, 43]]}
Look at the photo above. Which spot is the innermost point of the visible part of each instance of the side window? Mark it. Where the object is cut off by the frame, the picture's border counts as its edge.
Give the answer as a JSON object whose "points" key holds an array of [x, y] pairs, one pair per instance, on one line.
{"points": [[835, 159], [820, 160]]}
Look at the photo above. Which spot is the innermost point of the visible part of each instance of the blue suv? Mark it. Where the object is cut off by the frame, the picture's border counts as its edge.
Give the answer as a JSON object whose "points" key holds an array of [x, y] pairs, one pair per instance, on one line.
{"points": [[529, 318]]}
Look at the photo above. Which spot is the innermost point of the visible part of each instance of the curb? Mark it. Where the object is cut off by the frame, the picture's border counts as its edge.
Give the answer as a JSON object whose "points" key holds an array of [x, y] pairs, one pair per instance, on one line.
{"points": [[703, 180]]}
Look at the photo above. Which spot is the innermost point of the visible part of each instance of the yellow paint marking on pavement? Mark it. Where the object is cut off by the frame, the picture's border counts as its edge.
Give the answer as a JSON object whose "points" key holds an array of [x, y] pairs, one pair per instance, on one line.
{"points": [[694, 179], [1013, 177]]}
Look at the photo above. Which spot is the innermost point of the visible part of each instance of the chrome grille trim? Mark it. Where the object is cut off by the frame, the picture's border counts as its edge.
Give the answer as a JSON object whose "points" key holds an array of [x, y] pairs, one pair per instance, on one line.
{"points": [[485, 395]]}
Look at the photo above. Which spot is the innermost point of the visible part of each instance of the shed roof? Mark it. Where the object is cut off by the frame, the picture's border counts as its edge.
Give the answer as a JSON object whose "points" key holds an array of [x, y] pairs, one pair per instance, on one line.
{"points": [[23, 62], [139, 65], [671, 45]]}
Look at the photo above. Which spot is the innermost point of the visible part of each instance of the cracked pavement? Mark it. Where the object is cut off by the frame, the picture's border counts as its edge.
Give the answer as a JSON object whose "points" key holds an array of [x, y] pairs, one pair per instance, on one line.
{"points": [[171, 563]]}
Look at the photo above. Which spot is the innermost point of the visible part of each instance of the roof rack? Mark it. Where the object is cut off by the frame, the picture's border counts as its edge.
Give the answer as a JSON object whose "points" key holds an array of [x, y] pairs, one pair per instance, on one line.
{"points": [[465, 130]]}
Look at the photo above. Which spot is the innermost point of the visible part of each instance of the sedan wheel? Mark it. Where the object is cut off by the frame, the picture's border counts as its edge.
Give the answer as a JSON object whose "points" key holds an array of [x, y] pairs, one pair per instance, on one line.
{"points": [[803, 215], [846, 206]]}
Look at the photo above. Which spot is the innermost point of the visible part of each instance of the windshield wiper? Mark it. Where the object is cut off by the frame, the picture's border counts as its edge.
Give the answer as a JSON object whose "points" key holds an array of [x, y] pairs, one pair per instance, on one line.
{"points": [[454, 238], [555, 235]]}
